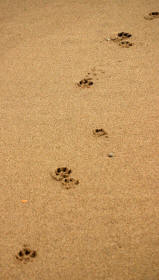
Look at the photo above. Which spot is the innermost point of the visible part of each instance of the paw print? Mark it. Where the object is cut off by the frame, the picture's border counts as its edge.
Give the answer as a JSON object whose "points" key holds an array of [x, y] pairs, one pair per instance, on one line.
{"points": [[63, 174], [98, 132], [88, 82], [123, 35], [120, 36], [85, 83], [69, 183], [60, 173], [152, 16], [120, 39], [26, 254], [125, 44]]}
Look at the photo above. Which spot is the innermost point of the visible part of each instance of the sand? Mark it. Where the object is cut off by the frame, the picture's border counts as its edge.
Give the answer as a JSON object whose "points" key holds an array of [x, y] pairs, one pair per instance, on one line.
{"points": [[105, 132]]}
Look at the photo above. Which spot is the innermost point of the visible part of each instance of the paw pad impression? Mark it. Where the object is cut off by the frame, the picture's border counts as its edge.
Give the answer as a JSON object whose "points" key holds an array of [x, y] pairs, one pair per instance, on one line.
{"points": [[63, 174], [26, 254], [98, 132]]}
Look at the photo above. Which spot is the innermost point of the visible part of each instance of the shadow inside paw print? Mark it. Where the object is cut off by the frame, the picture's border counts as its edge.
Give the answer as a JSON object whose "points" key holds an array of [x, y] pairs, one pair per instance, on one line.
{"points": [[125, 44], [63, 174], [26, 254], [85, 83], [98, 132], [152, 16]]}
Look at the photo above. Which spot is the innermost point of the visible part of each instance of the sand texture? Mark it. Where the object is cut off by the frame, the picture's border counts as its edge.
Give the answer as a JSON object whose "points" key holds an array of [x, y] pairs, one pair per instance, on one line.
{"points": [[79, 135]]}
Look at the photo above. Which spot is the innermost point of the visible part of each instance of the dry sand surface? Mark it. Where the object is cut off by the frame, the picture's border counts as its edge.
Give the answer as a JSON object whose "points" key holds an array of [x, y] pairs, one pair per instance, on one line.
{"points": [[79, 123]]}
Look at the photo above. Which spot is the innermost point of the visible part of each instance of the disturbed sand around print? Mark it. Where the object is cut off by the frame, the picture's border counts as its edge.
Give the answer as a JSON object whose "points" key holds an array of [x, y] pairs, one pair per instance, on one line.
{"points": [[79, 140]]}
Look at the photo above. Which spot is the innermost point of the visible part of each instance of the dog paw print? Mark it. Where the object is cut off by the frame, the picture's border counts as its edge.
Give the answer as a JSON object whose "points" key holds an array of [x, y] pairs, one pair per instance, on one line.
{"points": [[69, 183], [152, 16], [60, 173], [125, 44], [120, 39], [123, 35], [120, 36], [63, 174], [26, 254], [88, 82], [85, 83], [98, 132]]}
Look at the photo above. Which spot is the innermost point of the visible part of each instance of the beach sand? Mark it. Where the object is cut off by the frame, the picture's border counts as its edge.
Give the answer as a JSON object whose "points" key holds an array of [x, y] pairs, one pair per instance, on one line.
{"points": [[79, 119]]}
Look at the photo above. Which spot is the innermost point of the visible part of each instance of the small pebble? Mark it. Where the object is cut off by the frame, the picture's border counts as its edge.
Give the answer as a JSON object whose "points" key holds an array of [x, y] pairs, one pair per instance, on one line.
{"points": [[110, 155]]}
